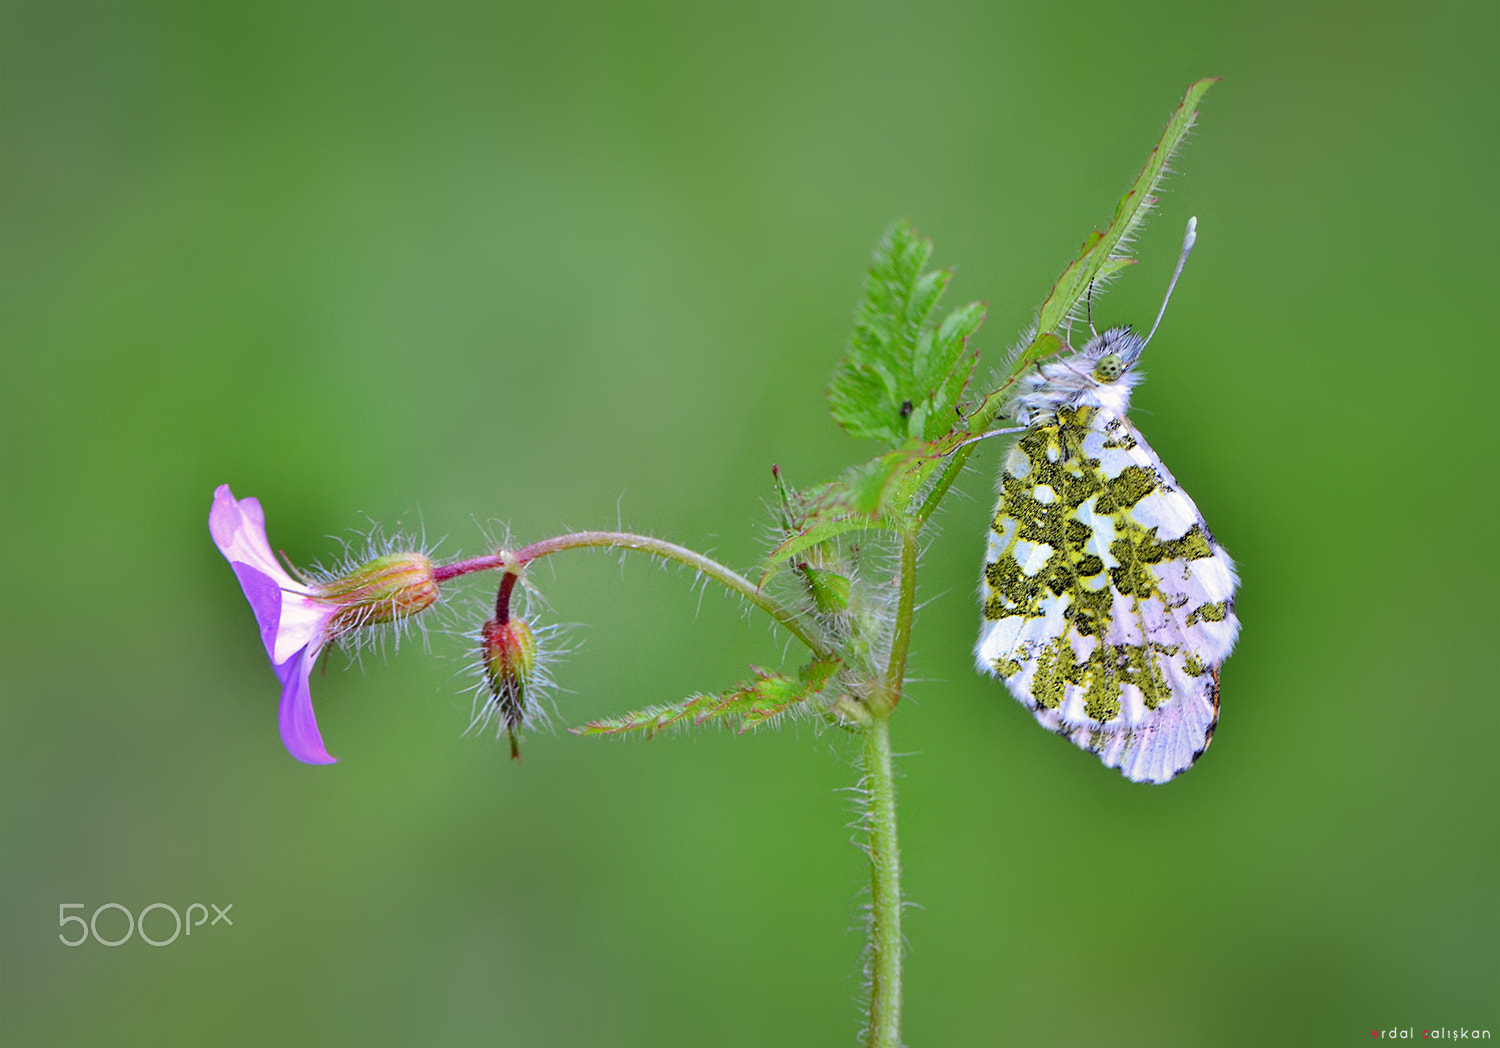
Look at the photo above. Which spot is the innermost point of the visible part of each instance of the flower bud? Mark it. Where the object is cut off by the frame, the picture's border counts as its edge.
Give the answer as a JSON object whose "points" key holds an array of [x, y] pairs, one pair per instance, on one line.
{"points": [[828, 589], [508, 650], [386, 589]]}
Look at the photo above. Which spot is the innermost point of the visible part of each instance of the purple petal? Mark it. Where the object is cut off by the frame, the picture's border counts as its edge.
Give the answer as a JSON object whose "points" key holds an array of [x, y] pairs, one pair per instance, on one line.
{"points": [[238, 528], [264, 596], [290, 615], [299, 728]]}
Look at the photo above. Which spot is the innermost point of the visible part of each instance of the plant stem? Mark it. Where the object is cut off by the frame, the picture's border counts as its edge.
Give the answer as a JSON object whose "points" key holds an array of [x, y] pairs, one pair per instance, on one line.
{"points": [[885, 889], [514, 560], [978, 421], [884, 848], [906, 601]]}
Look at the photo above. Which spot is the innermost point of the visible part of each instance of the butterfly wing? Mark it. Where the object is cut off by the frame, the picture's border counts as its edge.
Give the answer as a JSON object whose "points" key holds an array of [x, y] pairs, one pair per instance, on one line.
{"points": [[1108, 605]]}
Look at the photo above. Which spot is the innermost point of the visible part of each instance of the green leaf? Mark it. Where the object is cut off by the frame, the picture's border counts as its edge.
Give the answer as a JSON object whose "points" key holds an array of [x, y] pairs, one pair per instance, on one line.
{"points": [[900, 378], [948, 372], [1098, 261], [750, 704], [1044, 345]]}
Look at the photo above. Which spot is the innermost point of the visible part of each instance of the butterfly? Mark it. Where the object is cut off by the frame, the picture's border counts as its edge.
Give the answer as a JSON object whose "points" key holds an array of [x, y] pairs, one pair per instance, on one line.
{"points": [[1108, 604]]}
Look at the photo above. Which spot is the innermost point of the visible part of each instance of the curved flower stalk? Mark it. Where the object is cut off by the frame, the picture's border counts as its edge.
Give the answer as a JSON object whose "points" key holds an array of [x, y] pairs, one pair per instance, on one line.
{"points": [[298, 619]]}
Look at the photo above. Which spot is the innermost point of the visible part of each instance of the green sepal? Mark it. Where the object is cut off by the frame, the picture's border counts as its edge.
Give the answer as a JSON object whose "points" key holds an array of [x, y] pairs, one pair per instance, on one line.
{"points": [[751, 704], [815, 533], [828, 589], [899, 377]]}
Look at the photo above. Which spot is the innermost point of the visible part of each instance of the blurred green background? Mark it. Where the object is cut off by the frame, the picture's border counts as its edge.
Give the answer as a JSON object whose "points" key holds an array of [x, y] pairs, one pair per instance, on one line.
{"points": [[446, 264]]}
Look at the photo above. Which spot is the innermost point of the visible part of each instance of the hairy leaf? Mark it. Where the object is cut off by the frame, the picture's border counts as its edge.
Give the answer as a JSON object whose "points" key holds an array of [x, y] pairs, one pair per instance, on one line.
{"points": [[748, 705], [900, 377], [1100, 258]]}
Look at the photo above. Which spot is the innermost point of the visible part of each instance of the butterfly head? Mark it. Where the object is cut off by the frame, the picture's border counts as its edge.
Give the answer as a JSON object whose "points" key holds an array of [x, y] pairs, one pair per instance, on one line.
{"points": [[1100, 374]]}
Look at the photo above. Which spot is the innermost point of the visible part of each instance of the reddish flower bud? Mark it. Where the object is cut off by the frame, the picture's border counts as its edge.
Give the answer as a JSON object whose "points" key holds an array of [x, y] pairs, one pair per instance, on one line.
{"points": [[508, 650]]}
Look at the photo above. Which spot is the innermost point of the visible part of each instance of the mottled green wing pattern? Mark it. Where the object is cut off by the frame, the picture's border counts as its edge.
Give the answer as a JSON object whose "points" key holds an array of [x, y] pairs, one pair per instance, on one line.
{"points": [[1108, 606]]}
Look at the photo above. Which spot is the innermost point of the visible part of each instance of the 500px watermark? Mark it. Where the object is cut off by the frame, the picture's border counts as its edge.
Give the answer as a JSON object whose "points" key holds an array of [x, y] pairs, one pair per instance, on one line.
{"points": [[136, 925]]}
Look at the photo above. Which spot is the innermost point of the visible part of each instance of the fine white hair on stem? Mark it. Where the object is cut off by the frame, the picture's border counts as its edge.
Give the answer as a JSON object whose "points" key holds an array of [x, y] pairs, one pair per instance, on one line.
{"points": [[863, 827]]}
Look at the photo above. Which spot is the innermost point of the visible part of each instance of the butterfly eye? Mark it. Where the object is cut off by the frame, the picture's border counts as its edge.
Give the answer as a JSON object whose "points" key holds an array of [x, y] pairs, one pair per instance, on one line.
{"points": [[1109, 368]]}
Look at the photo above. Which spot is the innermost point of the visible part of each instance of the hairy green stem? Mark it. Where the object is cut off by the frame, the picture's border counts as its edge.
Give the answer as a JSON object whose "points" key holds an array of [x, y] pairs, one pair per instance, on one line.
{"points": [[906, 601], [885, 889], [945, 481], [880, 816]]}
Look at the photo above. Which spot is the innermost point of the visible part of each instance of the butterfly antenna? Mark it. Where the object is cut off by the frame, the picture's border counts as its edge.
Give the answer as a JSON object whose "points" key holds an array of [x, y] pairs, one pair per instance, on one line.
{"points": [[1188, 240], [1088, 306]]}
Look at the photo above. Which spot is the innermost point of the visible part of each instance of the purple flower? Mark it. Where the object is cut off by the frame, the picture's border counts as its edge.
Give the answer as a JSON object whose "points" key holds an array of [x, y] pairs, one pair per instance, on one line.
{"points": [[293, 620], [297, 619]]}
